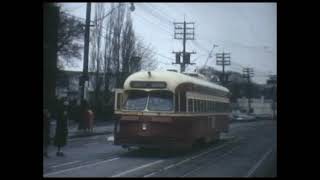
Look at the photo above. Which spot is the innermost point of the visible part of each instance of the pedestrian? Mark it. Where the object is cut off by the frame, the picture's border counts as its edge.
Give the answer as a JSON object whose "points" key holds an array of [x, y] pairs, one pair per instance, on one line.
{"points": [[82, 115], [90, 117], [62, 126], [46, 131]]}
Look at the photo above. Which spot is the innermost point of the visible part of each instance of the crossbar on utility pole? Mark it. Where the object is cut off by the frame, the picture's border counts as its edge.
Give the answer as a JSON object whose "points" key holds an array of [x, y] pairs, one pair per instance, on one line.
{"points": [[187, 34], [223, 59]]}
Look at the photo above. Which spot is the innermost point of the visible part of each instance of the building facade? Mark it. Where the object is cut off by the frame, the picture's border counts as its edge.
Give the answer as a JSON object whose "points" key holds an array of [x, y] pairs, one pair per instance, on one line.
{"points": [[259, 106]]}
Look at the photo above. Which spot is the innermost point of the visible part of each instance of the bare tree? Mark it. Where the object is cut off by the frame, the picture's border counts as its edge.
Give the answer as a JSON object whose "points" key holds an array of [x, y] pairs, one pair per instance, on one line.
{"points": [[148, 61], [120, 11], [96, 58], [70, 40], [127, 48], [108, 47]]}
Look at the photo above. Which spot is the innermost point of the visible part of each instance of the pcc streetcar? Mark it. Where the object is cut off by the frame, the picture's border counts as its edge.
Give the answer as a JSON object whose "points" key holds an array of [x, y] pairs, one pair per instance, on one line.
{"points": [[169, 110]]}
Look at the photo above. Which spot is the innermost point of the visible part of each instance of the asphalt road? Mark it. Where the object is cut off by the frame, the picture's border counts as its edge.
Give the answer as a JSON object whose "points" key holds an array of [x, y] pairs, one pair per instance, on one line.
{"points": [[248, 150]]}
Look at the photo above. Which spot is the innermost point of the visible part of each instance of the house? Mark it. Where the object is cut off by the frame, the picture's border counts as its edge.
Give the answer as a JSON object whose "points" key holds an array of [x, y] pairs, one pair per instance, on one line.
{"points": [[68, 84], [259, 106]]}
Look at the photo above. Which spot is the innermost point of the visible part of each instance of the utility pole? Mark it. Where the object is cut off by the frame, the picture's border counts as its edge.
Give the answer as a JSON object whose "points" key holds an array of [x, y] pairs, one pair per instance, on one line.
{"points": [[247, 74], [50, 37], [223, 59], [85, 76], [182, 32], [273, 82]]}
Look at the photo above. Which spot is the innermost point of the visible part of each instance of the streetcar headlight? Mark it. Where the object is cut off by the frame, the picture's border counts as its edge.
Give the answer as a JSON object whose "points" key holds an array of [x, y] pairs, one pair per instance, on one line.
{"points": [[144, 126]]}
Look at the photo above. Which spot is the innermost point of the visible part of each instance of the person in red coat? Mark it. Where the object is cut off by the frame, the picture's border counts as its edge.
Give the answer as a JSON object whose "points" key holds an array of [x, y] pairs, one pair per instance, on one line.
{"points": [[90, 117]]}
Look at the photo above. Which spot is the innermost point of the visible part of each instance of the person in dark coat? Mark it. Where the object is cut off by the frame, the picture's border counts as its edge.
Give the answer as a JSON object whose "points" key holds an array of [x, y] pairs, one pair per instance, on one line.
{"points": [[62, 126], [46, 131], [83, 110]]}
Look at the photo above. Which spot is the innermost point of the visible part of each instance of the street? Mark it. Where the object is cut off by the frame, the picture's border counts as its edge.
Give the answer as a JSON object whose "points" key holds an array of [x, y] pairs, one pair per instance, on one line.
{"points": [[249, 149]]}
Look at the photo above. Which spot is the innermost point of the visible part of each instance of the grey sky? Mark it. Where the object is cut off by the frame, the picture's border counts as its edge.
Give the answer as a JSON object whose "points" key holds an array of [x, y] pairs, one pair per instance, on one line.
{"points": [[247, 30]]}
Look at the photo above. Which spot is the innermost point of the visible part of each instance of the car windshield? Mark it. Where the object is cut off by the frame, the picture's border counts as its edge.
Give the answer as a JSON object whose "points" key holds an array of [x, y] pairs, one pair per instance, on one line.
{"points": [[136, 100], [160, 101]]}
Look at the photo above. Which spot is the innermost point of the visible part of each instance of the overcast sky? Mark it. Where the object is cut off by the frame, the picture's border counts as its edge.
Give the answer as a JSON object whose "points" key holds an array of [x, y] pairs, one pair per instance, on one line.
{"points": [[246, 30]]}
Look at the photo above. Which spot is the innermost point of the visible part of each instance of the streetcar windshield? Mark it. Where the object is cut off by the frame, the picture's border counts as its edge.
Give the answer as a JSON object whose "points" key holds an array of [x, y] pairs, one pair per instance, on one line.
{"points": [[160, 101], [136, 100]]}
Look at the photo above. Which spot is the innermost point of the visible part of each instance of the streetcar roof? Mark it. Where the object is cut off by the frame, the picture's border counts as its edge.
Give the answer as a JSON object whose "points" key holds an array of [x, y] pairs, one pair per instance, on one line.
{"points": [[172, 79]]}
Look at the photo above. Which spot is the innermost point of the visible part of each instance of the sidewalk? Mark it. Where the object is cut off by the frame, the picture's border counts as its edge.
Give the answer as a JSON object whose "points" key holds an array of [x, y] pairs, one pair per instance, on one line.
{"points": [[100, 127]]}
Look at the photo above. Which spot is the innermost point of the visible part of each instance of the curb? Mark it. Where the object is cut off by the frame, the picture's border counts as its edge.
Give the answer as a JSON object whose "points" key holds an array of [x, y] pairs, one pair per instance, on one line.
{"points": [[89, 134], [85, 135]]}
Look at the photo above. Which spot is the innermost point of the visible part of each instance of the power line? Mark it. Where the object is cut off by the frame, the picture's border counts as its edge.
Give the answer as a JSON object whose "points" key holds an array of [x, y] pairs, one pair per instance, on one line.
{"points": [[161, 13], [148, 11], [73, 9], [164, 56], [159, 17], [150, 22]]}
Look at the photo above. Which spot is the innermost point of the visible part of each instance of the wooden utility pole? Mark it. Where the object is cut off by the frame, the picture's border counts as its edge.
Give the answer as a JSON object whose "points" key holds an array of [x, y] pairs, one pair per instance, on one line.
{"points": [[223, 59], [182, 32], [247, 74], [85, 76], [273, 82], [50, 36]]}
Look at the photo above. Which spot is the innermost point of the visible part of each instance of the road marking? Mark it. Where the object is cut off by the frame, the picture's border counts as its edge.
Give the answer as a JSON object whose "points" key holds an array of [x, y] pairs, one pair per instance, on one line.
{"points": [[188, 159], [85, 138], [137, 168], [91, 143], [64, 164], [251, 171], [79, 167], [149, 175]]}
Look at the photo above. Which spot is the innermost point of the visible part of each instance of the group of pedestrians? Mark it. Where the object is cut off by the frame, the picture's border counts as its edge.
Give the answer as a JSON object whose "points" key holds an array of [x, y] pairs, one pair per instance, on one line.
{"points": [[60, 112]]}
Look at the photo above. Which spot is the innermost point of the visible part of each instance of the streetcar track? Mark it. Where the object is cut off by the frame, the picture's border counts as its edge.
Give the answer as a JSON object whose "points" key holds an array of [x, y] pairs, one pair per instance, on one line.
{"points": [[178, 163], [254, 168], [214, 159], [115, 155], [82, 166]]}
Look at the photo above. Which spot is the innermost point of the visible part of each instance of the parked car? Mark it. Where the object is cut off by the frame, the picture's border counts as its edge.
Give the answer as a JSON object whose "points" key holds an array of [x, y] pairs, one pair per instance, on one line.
{"points": [[243, 117]]}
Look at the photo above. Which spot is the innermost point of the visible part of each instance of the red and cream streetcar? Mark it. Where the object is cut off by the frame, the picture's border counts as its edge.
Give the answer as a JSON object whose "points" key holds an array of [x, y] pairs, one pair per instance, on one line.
{"points": [[169, 110]]}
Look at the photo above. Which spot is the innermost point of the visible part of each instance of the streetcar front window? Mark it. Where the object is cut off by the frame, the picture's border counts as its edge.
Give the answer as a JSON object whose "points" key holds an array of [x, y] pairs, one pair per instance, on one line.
{"points": [[160, 101], [136, 100]]}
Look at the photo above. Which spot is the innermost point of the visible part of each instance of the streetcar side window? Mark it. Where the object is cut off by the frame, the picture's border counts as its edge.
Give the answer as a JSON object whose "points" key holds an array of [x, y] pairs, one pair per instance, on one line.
{"points": [[203, 106], [190, 105], [206, 106], [197, 105], [177, 102], [212, 106], [183, 103], [217, 105]]}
